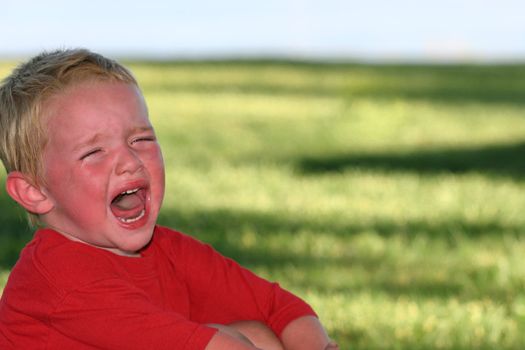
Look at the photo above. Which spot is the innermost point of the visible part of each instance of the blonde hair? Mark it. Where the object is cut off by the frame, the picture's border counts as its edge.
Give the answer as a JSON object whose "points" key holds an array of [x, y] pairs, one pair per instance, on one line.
{"points": [[30, 85]]}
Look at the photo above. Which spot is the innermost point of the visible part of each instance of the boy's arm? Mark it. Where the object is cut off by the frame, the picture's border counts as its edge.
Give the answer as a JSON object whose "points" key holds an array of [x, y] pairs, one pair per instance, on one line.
{"points": [[303, 333], [133, 321], [223, 292], [306, 333], [226, 341]]}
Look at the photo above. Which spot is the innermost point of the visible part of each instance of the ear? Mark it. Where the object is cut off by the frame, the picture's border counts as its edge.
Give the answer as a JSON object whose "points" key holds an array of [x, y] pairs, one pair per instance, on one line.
{"points": [[28, 195]]}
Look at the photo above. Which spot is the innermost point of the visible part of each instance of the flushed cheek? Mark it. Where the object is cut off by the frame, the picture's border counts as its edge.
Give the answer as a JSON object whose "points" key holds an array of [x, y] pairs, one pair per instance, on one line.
{"points": [[155, 165], [153, 159], [85, 190], [159, 186], [86, 197]]}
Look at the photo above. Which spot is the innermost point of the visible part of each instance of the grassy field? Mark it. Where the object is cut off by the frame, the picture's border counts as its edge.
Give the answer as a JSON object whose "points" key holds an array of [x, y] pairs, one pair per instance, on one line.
{"points": [[392, 198]]}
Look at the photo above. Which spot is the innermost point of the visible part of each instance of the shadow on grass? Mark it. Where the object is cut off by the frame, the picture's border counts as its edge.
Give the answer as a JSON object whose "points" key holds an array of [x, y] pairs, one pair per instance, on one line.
{"points": [[224, 229], [14, 231], [502, 160], [214, 224], [448, 84]]}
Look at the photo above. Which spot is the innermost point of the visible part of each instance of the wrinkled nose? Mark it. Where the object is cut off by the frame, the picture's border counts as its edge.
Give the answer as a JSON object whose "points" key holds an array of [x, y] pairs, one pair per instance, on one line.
{"points": [[128, 162]]}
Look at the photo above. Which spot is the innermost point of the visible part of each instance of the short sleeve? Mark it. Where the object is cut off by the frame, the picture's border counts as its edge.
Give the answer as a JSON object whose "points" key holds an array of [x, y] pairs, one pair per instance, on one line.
{"points": [[222, 291]]}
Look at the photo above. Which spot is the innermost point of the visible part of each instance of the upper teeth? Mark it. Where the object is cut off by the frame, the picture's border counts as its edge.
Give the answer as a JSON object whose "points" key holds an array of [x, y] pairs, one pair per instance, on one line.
{"points": [[130, 191]]}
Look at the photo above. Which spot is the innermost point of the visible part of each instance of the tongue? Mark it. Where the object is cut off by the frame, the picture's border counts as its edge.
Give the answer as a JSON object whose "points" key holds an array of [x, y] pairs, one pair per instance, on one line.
{"points": [[127, 202], [128, 206]]}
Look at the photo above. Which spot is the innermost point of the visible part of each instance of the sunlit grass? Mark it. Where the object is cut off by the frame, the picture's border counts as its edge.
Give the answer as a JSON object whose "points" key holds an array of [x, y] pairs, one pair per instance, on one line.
{"points": [[389, 197], [383, 322], [4, 274]]}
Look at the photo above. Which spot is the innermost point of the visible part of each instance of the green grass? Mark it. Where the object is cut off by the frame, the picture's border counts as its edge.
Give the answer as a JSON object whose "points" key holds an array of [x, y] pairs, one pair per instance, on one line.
{"points": [[389, 197]]}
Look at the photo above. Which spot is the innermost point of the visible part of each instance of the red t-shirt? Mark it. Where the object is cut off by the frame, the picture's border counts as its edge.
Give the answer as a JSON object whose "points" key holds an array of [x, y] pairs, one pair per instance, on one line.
{"points": [[63, 294]]}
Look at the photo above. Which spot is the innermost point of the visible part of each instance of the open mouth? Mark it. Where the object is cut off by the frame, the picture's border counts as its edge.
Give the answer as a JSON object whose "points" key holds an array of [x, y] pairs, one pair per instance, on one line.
{"points": [[129, 206]]}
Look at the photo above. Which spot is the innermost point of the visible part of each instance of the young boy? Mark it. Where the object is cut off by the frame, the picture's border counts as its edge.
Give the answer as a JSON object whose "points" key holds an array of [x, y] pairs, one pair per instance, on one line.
{"points": [[83, 160]]}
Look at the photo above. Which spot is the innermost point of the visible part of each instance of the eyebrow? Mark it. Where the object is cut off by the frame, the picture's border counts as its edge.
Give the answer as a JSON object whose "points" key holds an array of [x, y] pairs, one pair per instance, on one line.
{"points": [[88, 142], [98, 136], [142, 129]]}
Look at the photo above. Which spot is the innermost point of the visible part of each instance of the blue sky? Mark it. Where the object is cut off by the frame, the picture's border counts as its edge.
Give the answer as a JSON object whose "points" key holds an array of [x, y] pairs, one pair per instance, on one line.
{"points": [[443, 30]]}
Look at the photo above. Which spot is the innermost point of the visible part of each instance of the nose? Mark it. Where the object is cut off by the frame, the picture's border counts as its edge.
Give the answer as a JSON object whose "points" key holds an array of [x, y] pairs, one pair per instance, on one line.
{"points": [[128, 162]]}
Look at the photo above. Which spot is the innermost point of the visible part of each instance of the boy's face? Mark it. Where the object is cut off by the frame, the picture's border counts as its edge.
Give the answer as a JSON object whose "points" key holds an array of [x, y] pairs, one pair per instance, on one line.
{"points": [[103, 168]]}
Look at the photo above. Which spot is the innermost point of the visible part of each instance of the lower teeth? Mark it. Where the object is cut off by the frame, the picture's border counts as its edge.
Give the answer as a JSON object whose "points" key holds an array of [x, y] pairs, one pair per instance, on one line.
{"points": [[130, 220]]}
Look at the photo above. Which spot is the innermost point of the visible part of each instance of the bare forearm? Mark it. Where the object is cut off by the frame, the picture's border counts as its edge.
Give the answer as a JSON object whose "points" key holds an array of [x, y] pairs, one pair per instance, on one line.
{"points": [[226, 341], [306, 333]]}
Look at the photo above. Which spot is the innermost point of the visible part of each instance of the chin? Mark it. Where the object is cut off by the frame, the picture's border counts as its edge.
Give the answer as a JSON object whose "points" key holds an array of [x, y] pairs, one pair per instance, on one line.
{"points": [[130, 242], [139, 240]]}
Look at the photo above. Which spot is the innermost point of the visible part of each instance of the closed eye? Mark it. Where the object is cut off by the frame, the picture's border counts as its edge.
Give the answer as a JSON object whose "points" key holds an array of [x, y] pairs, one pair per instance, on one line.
{"points": [[90, 153], [144, 138]]}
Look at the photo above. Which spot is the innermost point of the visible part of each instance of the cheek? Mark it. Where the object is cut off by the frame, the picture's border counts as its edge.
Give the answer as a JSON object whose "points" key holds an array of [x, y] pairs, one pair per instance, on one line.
{"points": [[155, 166], [157, 177], [86, 184], [155, 163], [85, 199]]}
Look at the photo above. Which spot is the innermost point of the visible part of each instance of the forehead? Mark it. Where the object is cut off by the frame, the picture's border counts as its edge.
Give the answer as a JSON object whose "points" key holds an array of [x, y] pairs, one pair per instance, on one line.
{"points": [[94, 105]]}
